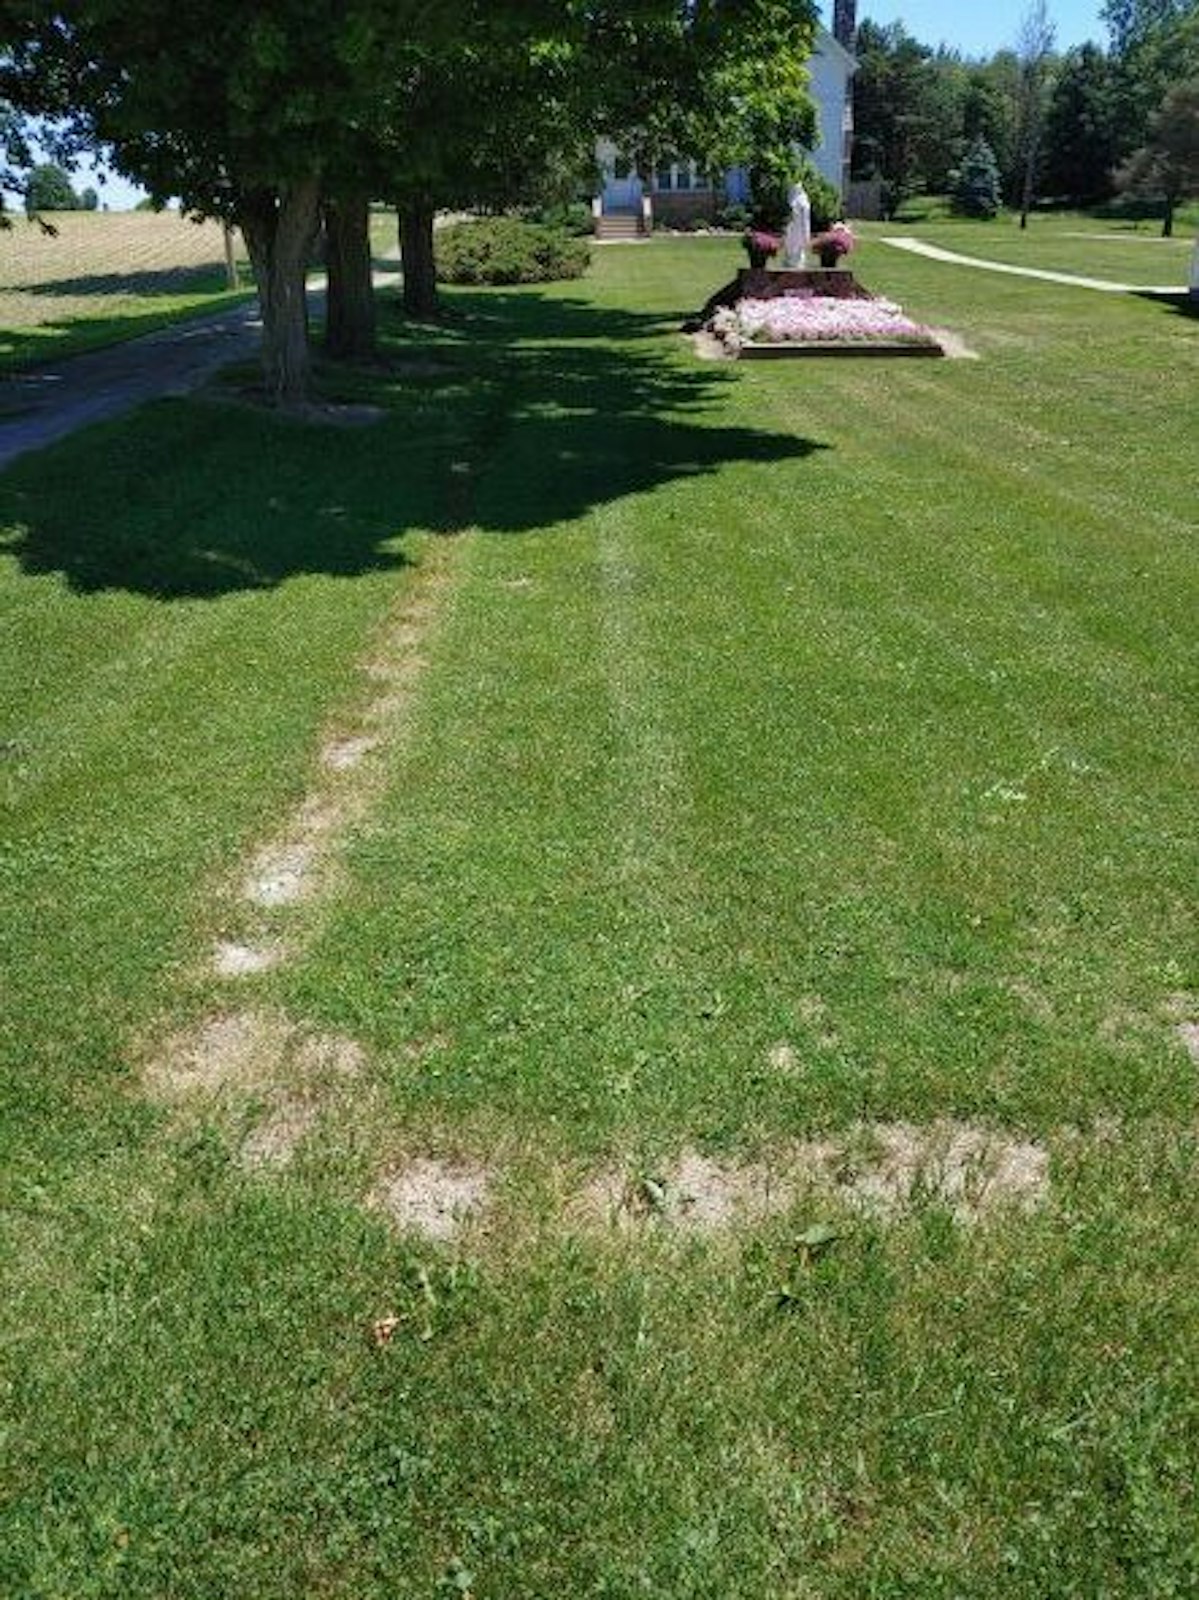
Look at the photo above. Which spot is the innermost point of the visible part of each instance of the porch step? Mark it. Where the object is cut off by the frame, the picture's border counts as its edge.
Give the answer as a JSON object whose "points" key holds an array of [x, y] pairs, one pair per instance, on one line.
{"points": [[618, 225]]}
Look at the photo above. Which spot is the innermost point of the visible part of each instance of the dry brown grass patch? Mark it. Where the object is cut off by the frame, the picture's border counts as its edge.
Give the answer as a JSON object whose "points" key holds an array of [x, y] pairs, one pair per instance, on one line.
{"points": [[243, 1052], [433, 1198]]}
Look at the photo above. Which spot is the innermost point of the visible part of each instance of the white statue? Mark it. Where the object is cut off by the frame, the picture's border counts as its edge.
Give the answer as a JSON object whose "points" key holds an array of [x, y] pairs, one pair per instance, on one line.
{"points": [[799, 230]]}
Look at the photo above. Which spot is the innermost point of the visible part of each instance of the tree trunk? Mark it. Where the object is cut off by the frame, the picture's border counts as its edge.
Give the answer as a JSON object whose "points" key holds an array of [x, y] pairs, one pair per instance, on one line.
{"points": [[1028, 190], [279, 227], [1168, 219], [231, 278], [350, 331], [420, 268]]}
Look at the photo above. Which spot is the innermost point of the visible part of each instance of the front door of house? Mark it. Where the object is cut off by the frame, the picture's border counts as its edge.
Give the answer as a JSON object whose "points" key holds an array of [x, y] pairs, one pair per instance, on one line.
{"points": [[622, 186]]}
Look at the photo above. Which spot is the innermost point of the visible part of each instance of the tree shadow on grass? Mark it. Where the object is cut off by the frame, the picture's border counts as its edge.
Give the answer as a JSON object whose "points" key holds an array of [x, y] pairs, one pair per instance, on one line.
{"points": [[1183, 305], [141, 285], [538, 409], [25, 349]]}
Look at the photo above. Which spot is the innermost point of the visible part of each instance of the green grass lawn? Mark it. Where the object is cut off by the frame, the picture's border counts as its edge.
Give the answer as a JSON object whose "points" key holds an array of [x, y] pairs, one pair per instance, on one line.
{"points": [[1078, 243], [771, 754]]}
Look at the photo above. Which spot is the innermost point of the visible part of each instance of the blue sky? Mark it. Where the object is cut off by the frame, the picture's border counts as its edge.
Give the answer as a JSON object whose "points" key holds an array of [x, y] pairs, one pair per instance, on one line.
{"points": [[978, 29]]}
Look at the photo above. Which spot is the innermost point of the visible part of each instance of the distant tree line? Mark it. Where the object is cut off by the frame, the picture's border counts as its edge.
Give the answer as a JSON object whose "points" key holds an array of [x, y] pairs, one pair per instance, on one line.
{"points": [[1075, 127], [49, 188]]}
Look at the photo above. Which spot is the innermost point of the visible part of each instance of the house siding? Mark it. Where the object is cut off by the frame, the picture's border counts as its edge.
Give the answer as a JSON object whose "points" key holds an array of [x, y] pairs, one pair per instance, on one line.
{"points": [[831, 68]]}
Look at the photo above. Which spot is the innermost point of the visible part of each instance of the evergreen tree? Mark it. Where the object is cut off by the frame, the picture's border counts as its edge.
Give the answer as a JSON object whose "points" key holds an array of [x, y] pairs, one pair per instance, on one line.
{"points": [[1082, 128], [977, 190]]}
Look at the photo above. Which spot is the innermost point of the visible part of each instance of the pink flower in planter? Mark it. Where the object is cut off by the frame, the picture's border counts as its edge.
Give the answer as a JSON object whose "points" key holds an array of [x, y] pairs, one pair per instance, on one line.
{"points": [[807, 318], [759, 242], [835, 242]]}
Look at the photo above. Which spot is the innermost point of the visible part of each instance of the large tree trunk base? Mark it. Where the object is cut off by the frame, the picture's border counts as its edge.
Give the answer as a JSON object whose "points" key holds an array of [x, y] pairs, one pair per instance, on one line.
{"points": [[420, 267], [351, 332], [279, 229]]}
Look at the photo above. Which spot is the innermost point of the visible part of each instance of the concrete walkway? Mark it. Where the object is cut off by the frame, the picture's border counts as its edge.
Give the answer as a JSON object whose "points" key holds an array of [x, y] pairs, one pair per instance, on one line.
{"points": [[50, 401], [934, 252]]}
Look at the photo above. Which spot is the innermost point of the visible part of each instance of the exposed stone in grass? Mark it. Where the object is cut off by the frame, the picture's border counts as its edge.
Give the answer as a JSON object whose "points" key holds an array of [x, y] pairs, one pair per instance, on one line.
{"points": [[342, 755], [273, 1143], [433, 1198], [233, 960], [1188, 1032]]}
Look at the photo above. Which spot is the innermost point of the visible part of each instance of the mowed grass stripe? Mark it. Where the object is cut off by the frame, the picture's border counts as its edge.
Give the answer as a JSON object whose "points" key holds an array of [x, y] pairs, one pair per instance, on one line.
{"points": [[684, 782]]}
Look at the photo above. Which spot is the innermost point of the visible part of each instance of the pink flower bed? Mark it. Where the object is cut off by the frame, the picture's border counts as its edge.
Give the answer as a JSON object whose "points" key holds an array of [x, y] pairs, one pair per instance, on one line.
{"points": [[813, 318]]}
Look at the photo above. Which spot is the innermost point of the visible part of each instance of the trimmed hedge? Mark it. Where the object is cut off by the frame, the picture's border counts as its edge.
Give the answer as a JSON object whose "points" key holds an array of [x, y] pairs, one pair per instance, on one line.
{"points": [[507, 250]]}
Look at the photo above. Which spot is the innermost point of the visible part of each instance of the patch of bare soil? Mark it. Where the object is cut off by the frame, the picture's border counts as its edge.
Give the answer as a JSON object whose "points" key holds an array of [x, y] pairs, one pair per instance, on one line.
{"points": [[246, 1051], [1188, 1033], [236, 1050], [233, 960], [343, 755], [272, 1145], [433, 1198], [696, 1195], [282, 875], [970, 1170], [783, 1058], [885, 1169]]}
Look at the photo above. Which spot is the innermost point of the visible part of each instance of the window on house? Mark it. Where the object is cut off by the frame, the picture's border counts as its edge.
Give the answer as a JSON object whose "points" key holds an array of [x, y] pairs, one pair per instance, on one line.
{"points": [[622, 167]]}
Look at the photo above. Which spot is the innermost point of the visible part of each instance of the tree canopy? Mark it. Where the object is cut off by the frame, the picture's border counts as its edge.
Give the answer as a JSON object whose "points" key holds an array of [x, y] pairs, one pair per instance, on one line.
{"points": [[260, 117]]}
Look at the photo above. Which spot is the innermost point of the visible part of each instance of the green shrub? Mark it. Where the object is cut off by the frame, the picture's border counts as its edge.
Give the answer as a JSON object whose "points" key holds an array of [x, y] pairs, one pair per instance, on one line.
{"points": [[507, 250], [570, 216], [735, 217]]}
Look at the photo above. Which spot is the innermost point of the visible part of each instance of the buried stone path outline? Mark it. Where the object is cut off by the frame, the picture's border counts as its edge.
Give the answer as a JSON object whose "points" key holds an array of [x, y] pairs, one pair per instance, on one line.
{"points": [[247, 1058], [254, 1055], [296, 868]]}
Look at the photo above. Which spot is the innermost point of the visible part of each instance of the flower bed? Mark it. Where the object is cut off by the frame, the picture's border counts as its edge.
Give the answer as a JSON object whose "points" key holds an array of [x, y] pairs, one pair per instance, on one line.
{"points": [[810, 318]]}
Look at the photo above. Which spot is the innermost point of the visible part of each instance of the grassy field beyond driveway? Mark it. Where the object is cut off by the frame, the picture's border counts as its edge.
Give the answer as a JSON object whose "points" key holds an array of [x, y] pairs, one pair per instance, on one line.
{"points": [[778, 772], [103, 277], [1073, 242]]}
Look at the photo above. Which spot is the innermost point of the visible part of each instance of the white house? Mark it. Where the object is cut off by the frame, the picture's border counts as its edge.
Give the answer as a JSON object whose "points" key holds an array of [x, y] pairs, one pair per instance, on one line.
{"points": [[678, 191]]}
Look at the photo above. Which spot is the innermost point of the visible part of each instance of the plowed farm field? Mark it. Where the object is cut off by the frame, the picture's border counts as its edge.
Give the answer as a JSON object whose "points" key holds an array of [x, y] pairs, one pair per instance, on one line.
{"points": [[103, 277]]}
